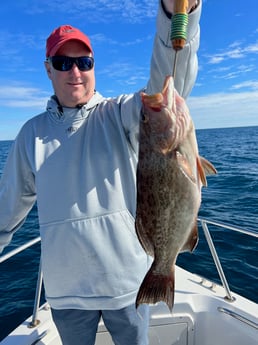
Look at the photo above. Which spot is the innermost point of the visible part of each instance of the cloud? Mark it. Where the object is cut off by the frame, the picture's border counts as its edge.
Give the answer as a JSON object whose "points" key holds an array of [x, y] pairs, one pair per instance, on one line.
{"points": [[235, 53], [252, 48], [246, 84], [235, 50], [224, 109], [125, 77], [98, 10], [100, 38], [12, 43], [232, 72], [18, 96]]}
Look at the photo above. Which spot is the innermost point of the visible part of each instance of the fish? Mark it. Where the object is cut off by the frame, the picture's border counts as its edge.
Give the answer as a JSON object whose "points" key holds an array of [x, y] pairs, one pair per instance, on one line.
{"points": [[169, 178]]}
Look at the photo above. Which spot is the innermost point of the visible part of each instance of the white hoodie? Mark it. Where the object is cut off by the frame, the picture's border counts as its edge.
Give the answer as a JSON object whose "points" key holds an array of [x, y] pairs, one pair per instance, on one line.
{"points": [[80, 167]]}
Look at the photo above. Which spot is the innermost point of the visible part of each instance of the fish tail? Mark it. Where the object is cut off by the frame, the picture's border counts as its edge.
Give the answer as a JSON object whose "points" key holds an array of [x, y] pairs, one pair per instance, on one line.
{"points": [[156, 288]]}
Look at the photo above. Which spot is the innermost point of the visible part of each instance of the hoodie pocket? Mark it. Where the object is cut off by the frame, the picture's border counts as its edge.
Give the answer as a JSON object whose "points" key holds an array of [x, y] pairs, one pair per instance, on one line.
{"points": [[99, 256]]}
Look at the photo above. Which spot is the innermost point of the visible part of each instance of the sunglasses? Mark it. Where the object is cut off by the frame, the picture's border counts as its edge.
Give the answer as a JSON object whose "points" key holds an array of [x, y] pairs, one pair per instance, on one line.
{"points": [[65, 63]]}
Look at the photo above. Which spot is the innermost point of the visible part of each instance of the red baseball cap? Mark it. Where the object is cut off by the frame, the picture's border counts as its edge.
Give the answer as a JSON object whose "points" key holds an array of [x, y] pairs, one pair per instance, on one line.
{"points": [[63, 34]]}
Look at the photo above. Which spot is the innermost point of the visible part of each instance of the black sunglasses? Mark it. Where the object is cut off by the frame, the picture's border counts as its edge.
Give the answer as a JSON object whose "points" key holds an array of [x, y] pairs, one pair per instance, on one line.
{"points": [[65, 63]]}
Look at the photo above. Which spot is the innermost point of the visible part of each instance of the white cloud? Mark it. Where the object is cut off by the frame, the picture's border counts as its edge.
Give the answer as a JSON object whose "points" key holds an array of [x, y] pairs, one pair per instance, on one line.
{"points": [[236, 50], [252, 48], [100, 38], [246, 84], [98, 10], [230, 54], [22, 97], [225, 109]]}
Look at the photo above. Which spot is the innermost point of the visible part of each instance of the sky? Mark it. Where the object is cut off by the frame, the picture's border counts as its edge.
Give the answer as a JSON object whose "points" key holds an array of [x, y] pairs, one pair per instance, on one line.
{"points": [[226, 90]]}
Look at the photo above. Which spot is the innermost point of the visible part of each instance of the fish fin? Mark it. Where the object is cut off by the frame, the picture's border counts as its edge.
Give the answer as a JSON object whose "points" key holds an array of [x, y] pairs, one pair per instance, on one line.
{"points": [[192, 240], [185, 166], [156, 288], [205, 168], [201, 171]]}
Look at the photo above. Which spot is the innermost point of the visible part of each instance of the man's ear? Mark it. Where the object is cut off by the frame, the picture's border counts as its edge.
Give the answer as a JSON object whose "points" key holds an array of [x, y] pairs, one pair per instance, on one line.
{"points": [[48, 69]]}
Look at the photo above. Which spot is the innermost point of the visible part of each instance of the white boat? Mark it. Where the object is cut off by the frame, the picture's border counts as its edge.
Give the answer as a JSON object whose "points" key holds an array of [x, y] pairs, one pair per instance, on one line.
{"points": [[204, 313]]}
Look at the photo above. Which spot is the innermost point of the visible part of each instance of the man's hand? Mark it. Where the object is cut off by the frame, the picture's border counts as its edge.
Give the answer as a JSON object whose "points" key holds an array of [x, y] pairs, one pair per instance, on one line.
{"points": [[169, 5]]}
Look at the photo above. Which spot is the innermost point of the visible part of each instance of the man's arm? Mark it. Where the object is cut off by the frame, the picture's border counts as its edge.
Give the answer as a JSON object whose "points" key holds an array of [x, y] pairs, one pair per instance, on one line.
{"points": [[17, 193], [163, 54]]}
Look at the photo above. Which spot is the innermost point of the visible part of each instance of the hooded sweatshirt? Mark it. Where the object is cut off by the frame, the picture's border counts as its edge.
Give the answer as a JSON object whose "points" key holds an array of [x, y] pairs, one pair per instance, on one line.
{"points": [[79, 164]]}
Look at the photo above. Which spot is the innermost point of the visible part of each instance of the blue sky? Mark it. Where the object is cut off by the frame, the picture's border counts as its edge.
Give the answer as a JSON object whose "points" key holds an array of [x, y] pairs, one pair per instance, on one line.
{"points": [[122, 32]]}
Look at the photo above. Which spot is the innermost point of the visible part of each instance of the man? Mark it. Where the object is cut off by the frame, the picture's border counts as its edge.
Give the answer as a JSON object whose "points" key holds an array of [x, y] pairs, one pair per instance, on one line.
{"points": [[78, 159]]}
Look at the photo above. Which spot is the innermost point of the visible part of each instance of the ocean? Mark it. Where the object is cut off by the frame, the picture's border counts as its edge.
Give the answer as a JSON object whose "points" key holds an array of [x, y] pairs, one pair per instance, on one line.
{"points": [[231, 197]]}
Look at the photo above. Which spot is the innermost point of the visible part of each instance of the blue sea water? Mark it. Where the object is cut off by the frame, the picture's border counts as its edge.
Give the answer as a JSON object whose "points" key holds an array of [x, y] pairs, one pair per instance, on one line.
{"points": [[231, 197]]}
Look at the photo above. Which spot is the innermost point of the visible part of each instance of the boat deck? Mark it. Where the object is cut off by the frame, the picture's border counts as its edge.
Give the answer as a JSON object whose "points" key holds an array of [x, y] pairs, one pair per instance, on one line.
{"points": [[201, 315], [204, 313]]}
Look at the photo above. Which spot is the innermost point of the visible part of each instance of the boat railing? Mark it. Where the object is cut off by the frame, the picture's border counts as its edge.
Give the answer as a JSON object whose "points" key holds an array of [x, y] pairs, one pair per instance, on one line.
{"points": [[34, 322], [204, 224]]}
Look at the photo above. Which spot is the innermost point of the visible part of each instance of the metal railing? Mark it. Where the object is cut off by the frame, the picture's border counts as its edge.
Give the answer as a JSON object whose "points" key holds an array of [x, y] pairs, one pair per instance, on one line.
{"points": [[204, 223], [213, 251], [19, 249], [34, 322]]}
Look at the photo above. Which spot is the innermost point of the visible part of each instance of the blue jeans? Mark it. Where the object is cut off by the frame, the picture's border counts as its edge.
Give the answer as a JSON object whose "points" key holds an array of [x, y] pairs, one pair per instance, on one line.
{"points": [[127, 326]]}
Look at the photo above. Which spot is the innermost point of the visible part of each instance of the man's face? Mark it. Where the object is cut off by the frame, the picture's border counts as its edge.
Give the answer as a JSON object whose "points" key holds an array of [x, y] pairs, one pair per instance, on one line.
{"points": [[72, 87]]}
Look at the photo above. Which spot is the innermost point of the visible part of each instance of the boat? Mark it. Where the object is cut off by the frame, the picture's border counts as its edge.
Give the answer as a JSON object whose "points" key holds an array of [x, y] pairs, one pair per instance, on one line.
{"points": [[204, 313]]}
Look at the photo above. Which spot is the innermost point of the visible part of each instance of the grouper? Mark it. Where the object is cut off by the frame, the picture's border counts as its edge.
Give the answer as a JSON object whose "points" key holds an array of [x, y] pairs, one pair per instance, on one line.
{"points": [[170, 175]]}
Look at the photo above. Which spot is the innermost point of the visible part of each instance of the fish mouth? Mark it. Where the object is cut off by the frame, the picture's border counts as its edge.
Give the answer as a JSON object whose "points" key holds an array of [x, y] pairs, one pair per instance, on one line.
{"points": [[161, 99], [154, 102]]}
